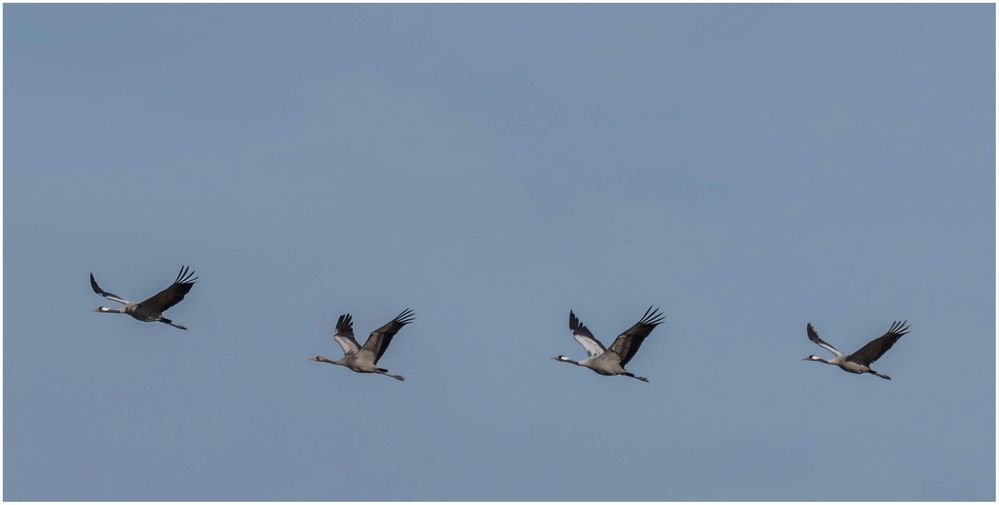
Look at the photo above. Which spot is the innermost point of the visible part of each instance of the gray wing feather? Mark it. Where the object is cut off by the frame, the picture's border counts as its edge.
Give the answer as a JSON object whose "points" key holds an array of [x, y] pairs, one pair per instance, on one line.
{"points": [[879, 346], [814, 337], [380, 339], [626, 345], [110, 296], [173, 294], [345, 335], [585, 338]]}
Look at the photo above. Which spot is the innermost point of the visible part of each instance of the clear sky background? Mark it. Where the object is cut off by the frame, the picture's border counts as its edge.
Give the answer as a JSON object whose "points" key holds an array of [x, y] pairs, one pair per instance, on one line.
{"points": [[748, 169]]}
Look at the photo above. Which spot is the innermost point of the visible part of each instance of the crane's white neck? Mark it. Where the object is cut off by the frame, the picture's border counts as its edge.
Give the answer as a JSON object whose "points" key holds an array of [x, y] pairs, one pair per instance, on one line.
{"points": [[820, 359], [565, 359], [324, 359]]}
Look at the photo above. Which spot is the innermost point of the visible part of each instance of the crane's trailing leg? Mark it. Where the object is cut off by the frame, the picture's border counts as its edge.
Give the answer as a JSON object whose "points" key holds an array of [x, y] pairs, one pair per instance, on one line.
{"points": [[167, 321], [633, 376], [396, 377], [879, 374]]}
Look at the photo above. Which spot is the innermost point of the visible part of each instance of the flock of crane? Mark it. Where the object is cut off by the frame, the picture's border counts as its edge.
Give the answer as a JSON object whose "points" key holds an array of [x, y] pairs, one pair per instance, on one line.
{"points": [[600, 359]]}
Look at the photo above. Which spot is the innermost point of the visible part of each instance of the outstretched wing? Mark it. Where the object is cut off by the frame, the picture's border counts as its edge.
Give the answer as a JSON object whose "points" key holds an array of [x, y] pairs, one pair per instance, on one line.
{"points": [[110, 296], [627, 343], [173, 294], [877, 347], [582, 335], [345, 335], [814, 337], [380, 339]]}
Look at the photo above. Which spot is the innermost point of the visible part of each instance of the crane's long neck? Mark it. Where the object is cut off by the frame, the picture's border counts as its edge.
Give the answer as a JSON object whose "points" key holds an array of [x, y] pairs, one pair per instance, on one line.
{"points": [[109, 310], [566, 359], [341, 361], [820, 359]]}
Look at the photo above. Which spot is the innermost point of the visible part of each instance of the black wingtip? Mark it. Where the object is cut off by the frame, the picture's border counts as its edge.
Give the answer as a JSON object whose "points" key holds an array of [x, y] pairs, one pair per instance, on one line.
{"points": [[185, 276], [899, 327], [810, 330], [405, 317], [653, 317], [93, 284], [344, 322]]}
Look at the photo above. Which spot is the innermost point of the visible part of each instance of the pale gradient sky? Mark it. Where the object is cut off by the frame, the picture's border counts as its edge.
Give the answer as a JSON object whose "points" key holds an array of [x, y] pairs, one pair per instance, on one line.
{"points": [[746, 168]]}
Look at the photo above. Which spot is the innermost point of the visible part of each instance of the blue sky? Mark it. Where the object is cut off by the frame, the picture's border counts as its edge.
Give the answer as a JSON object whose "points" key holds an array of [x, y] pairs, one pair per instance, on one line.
{"points": [[748, 169]]}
